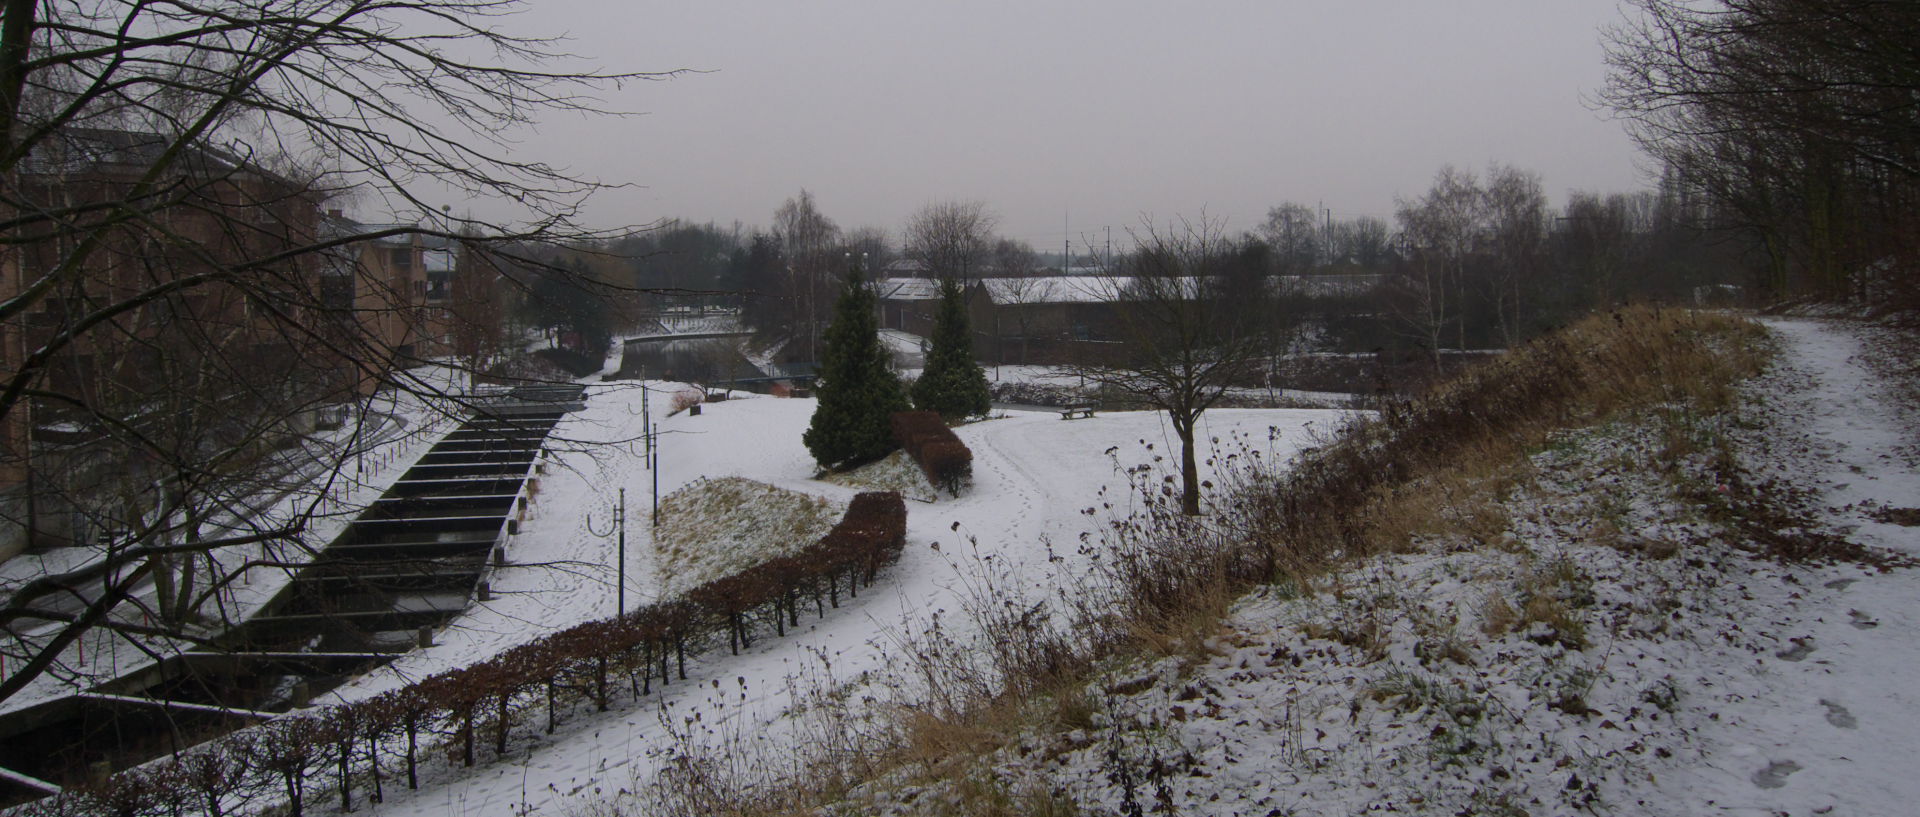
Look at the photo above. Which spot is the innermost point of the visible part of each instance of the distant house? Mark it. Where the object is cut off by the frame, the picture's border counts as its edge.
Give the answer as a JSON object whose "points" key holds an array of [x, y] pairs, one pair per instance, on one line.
{"points": [[395, 288], [908, 304], [1013, 319], [1054, 318]]}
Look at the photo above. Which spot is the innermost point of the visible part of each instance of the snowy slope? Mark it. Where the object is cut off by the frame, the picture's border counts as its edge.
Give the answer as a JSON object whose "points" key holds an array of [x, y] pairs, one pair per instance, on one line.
{"points": [[1615, 652], [1034, 474]]}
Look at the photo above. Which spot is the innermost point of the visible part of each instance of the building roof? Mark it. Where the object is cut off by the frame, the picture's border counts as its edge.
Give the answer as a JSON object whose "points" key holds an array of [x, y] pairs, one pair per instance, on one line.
{"points": [[74, 150], [1055, 289], [906, 289], [1081, 289]]}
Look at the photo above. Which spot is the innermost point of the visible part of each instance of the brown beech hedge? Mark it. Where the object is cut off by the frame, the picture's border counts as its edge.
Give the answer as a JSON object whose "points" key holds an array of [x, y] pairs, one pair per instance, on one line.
{"points": [[947, 462], [356, 750]]}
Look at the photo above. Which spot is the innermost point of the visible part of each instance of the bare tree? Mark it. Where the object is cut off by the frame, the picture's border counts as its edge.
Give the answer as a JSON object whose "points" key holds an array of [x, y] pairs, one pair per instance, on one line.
{"points": [[1440, 229], [1795, 116], [809, 240], [1189, 306], [953, 239], [1293, 231], [478, 311], [1362, 242], [869, 247], [1516, 215], [161, 168]]}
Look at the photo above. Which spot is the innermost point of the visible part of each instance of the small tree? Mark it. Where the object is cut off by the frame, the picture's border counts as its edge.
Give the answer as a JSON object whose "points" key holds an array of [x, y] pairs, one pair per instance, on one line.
{"points": [[951, 238], [1191, 309], [858, 392], [953, 383]]}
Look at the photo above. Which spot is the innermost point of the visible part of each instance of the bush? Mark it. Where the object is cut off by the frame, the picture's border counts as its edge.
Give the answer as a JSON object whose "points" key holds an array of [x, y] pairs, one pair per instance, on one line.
{"points": [[914, 428], [687, 398], [948, 463], [945, 459]]}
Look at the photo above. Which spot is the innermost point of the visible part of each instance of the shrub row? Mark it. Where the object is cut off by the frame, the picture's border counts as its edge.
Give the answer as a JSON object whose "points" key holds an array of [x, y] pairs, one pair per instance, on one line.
{"points": [[364, 745], [947, 461]]}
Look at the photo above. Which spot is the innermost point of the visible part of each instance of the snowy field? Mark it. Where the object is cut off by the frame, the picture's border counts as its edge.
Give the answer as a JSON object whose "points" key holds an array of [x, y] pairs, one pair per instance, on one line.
{"points": [[1034, 474]]}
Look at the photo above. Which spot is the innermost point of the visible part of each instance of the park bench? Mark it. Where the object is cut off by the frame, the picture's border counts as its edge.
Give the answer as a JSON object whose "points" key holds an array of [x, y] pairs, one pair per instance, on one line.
{"points": [[1077, 411]]}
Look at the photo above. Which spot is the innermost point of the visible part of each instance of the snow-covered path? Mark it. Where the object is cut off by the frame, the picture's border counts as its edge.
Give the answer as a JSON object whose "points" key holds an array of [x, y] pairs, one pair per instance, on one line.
{"points": [[1830, 720], [1033, 476]]}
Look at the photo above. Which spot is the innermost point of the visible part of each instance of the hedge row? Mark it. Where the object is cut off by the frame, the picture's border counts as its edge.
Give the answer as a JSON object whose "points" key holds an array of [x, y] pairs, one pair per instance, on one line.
{"points": [[365, 745], [947, 461]]}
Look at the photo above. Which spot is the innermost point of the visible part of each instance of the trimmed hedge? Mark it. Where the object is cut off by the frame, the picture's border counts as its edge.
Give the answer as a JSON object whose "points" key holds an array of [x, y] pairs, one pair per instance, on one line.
{"points": [[367, 743], [947, 461]]}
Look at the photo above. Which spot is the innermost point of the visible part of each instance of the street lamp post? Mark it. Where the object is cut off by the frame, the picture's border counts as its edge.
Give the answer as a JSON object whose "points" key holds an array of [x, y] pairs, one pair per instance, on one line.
{"points": [[617, 529]]}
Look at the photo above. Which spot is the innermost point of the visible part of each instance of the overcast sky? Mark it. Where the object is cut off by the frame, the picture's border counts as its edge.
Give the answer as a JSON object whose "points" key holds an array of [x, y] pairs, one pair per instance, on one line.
{"points": [[1066, 118]]}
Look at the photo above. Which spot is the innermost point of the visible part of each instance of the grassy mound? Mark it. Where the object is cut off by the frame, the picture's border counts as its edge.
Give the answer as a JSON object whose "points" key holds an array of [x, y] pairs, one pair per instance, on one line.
{"points": [[894, 472], [718, 526]]}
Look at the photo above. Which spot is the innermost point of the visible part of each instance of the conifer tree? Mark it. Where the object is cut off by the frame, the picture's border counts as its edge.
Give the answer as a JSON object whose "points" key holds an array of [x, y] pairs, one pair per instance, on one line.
{"points": [[858, 392], [953, 382]]}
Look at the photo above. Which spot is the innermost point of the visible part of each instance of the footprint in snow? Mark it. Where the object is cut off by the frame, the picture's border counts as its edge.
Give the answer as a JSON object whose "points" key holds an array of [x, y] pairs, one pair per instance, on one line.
{"points": [[1802, 647], [1838, 715], [1862, 621], [1775, 774]]}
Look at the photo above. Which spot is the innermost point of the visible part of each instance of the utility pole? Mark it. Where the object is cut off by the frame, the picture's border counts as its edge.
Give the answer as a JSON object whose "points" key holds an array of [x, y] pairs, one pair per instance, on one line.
{"points": [[620, 521], [1326, 238], [654, 446]]}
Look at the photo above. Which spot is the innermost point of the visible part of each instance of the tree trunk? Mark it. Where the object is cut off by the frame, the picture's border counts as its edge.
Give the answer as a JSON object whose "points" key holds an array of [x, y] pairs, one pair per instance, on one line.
{"points": [[413, 766], [163, 587], [346, 769], [1189, 467]]}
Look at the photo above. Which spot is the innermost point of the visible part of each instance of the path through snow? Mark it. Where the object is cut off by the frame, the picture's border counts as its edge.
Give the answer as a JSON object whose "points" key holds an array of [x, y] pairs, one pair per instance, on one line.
{"points": [[1835, 720]]}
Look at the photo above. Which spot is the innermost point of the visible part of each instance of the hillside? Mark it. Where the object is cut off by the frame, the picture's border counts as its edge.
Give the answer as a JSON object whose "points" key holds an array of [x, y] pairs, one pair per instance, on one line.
{"points": [[1659, 567]]}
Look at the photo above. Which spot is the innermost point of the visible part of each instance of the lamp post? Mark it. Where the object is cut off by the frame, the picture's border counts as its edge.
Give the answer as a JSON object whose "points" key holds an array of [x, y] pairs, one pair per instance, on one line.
{"points": [[619, 530]]}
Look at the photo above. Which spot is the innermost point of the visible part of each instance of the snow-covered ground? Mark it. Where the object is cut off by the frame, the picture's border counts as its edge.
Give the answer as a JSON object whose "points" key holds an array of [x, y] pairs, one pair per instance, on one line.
{"points": [[1614, 650], [1705, 680], [1825, 721], [1034, 474]]}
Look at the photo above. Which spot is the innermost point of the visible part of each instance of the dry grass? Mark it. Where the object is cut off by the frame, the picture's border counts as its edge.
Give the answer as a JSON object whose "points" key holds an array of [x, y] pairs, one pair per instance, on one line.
{"points": [[719, 526], [1428, 473], [894, 472]]}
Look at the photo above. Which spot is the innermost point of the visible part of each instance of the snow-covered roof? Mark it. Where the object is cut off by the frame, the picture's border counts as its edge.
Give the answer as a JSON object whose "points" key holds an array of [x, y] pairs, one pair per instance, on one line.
{"points": [[1041, 290], [1055, 289], [1329, 286], [907, 289], [1081, 289]]}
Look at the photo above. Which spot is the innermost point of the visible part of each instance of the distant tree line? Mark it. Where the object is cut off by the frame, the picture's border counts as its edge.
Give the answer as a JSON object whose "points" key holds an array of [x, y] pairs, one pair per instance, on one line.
{"points": [[1478, 260], [1792, 122]]}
